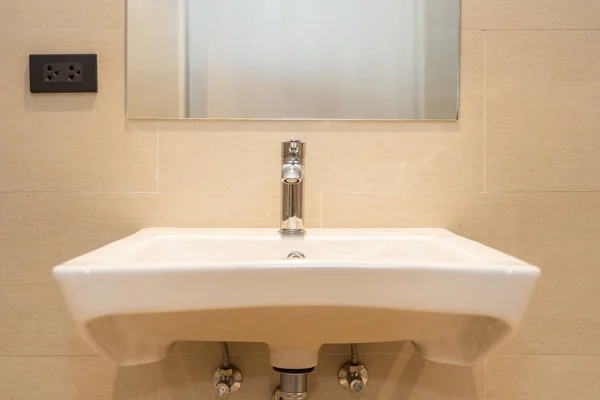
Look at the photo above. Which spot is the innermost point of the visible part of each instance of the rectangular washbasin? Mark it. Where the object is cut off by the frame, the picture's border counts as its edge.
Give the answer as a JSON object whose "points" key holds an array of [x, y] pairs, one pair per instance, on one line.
{"points": [[456, 299]]}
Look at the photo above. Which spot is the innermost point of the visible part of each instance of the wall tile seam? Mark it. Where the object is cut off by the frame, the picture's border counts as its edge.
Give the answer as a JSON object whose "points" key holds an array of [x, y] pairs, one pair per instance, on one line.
{"points": [[213, 119], [71, 192], [156, 128], [405, 193], [485, 378], [320, 210], [531, 29], [400, 193], [484, 113], [544, 355], [489, 192], [541, 192], [21, 29], [328, 354], [50, 356]]}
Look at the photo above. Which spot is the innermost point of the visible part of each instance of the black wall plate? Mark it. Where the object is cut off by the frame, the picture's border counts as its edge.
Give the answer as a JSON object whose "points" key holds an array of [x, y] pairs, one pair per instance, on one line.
{"points": [[63, 73]]}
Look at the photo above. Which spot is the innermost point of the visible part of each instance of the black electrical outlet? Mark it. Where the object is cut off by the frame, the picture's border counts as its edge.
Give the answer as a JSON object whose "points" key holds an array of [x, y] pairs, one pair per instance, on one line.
{"points": [[63, 73]]}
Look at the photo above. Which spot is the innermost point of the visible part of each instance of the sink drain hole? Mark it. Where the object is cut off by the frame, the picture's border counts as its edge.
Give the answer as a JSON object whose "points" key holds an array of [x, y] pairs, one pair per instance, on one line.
{"points": [[296, 255]]}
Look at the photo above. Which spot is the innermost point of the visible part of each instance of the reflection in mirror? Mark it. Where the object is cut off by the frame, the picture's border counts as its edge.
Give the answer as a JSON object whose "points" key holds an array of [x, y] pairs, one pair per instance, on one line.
{"points": [[293, 59]]}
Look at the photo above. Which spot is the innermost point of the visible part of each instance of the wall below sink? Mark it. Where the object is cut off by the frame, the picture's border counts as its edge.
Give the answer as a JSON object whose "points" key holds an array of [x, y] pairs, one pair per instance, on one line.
{"points": [[517, 172]]}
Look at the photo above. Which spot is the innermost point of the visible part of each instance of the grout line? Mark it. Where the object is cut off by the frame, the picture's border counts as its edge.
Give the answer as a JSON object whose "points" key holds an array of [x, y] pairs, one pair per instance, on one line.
{"points": [[424, 193], [485, 389], [266, 354], [321, 210], [158, 380], [484, 111], [157, 157], [544, 355], [32, 192], [55, 356], [361, 353], [403, 194], [406, 194], [64, 29], [530, 29], [123, 28], [541, 191], [321, 354]]}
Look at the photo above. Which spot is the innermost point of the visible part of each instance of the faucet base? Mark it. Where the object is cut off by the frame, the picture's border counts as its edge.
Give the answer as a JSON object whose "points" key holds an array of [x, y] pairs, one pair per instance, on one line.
{"points": [[292, 232]]}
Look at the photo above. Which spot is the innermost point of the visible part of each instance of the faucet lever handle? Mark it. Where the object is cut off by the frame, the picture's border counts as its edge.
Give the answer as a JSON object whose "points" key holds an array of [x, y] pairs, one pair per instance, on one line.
{"points": [[294, 146]]}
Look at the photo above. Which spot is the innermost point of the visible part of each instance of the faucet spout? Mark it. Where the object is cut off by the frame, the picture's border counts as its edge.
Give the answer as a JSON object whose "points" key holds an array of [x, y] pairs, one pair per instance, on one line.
{"points": [[292, 187]]}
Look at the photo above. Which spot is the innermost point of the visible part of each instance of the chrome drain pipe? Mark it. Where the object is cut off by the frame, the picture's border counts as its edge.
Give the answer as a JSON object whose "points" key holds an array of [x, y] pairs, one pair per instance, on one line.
{"points": [[292, 386]]}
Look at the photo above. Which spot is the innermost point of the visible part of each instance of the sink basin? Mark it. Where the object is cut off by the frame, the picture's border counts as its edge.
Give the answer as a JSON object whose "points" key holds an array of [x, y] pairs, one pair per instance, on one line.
{"points": [[454, 298]]}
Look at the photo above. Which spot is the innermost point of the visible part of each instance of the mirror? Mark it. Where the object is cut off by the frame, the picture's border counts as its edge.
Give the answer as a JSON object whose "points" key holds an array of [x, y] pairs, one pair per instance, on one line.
{"points": [[293, 59]]}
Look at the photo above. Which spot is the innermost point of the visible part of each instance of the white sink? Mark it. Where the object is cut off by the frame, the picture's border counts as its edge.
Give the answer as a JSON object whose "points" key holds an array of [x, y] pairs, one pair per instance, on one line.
{"points": [[454, 298]]}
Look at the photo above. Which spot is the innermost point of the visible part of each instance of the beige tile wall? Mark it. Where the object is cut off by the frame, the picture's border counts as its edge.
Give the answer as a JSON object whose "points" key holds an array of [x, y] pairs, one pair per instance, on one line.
{"points": [[518, 172]]}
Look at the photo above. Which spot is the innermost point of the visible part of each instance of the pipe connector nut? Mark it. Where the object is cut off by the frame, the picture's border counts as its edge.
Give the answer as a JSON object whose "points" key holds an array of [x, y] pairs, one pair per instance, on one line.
{"points": [[227, 380], [353, 377]]}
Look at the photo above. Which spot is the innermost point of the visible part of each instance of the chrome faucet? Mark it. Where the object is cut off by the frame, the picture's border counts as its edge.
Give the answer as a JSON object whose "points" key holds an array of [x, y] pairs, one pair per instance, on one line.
{"points": [[292, 187]]}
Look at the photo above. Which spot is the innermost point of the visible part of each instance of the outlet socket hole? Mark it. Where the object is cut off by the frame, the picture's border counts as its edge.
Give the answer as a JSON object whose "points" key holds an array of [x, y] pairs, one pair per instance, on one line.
{"points": [[78, 73], [49, 68]]}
